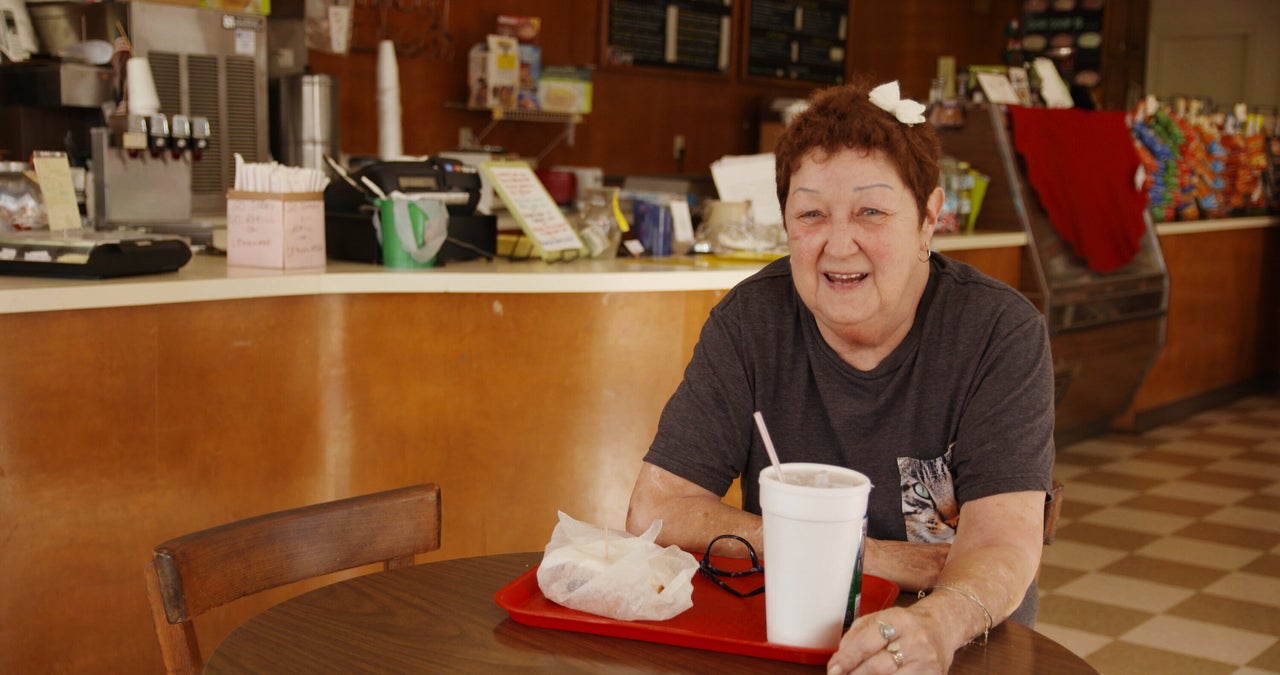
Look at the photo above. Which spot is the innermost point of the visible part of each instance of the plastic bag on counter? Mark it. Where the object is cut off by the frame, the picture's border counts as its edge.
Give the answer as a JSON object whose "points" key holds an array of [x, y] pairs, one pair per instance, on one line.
{"points": [[615, 574]]}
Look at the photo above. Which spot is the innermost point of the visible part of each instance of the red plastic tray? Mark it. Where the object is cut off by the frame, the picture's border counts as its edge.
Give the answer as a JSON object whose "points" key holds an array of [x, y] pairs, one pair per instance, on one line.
{"points": [[718, 621]]}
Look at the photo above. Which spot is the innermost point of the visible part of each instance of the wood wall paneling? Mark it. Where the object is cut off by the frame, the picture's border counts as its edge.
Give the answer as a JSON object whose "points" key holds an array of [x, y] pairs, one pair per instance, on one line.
{"points": [[638, 111], [120, 428]]}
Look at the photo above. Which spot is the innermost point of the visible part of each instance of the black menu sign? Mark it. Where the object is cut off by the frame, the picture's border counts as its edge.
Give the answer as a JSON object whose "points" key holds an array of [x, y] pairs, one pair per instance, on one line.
{"points": [[1069, 32], [690, 34], [797, 39]]}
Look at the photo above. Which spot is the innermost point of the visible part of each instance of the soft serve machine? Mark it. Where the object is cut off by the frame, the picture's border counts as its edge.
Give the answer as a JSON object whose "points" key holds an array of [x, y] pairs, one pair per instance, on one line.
{"points": [[167, 171]]}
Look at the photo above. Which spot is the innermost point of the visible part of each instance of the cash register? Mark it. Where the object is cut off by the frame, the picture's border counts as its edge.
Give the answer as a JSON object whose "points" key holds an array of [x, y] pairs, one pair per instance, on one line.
{"points": [[348, 208]]}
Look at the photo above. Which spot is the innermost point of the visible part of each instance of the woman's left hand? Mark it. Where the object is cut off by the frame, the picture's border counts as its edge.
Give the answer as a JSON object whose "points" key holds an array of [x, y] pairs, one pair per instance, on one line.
{"points": [[896, 640]]}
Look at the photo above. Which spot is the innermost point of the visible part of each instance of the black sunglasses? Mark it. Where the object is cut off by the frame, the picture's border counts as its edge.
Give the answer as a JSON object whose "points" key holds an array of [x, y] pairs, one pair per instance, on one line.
{"points": [[717, 575]]}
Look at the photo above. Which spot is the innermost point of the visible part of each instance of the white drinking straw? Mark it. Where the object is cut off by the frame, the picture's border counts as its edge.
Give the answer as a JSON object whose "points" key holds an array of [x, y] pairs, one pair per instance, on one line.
{"points": [[768, 446]]}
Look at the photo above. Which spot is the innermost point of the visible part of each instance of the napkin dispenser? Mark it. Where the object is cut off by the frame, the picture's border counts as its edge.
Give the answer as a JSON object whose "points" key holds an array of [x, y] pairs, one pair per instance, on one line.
{"points": [[349, 228]]}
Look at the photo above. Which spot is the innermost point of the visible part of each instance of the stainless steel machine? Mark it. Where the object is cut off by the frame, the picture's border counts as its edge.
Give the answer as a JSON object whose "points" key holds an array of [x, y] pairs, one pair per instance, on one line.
{"points": [[207, 64]]}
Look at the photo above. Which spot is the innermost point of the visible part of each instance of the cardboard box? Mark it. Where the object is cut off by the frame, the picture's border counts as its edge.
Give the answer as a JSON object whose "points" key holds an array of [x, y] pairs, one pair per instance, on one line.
{"points": [[273, 230], [493, 73]]}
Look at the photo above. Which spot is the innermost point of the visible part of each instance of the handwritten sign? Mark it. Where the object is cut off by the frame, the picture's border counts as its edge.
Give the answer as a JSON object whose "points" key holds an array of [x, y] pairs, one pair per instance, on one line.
{"points": [[539, 216], [53, 172], [280, 231]]}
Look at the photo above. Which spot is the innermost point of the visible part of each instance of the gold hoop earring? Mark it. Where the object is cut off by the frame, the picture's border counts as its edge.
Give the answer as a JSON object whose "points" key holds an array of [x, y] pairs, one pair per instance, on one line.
{"points": [[923, 256]]}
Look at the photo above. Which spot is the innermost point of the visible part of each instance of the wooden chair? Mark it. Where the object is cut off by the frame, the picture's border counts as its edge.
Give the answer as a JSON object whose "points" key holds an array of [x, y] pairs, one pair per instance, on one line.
{"points": [[195, 573], [1052, 511]]}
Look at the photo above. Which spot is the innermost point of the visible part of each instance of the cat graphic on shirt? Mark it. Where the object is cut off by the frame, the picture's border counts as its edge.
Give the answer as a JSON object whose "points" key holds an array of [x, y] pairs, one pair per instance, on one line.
{"points": [[928, 498]]}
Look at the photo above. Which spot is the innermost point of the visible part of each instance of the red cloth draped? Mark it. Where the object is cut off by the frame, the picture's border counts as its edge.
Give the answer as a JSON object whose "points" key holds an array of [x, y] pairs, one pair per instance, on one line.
{"points": [[1081, 165]]}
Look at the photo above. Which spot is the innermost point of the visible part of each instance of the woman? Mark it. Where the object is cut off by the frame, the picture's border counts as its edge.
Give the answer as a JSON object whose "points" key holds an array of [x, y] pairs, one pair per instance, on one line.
{"points": [[864, 350]]}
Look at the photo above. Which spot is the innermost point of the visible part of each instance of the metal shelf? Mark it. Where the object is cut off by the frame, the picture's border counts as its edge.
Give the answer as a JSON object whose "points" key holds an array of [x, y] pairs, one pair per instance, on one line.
{"points": [[498, 115]]}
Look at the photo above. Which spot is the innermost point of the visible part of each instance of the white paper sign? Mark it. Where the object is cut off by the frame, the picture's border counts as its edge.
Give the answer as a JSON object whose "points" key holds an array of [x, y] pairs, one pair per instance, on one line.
{"points": [[749, 178], [998, 88], [527, 199]]}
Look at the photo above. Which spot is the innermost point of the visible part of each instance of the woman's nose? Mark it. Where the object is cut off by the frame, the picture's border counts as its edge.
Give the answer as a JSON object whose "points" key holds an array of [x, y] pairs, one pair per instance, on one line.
{"points": [[842, 239]]}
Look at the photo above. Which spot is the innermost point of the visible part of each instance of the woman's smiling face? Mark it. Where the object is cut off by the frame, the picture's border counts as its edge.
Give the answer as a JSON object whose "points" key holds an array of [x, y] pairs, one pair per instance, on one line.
{"points": [[856, 238]]}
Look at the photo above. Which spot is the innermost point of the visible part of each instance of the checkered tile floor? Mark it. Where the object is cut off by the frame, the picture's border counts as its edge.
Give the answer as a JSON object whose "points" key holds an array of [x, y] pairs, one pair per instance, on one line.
{"points": [[1167, 558]]}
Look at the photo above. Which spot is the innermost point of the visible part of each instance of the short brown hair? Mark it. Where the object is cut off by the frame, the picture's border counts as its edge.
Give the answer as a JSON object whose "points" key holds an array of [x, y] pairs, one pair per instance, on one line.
{"points": [[843, 118]]}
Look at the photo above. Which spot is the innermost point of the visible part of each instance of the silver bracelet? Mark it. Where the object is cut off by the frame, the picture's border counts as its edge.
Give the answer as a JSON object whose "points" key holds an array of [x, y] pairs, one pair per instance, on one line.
{"points": [[986, 632]]}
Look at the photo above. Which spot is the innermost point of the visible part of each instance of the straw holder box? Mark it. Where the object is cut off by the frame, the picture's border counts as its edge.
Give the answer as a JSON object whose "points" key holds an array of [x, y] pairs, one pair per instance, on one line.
{"points": [[275, 230]]}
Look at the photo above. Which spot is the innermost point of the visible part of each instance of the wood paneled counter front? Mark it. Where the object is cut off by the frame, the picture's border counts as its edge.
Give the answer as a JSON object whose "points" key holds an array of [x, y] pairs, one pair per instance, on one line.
{"points": [[137, 409]]}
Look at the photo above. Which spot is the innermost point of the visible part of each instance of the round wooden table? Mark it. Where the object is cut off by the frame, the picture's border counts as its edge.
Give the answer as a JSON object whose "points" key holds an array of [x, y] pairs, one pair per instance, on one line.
{"points": [[441, 617]]}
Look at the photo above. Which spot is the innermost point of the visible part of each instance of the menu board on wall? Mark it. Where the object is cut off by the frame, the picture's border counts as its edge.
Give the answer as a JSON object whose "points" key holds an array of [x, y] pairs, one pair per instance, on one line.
{"points": [[1069, 32], [797, 39], [693, 34]]}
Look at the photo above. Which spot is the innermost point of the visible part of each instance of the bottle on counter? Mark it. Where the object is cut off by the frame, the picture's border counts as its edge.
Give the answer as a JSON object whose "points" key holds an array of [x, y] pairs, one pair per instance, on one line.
{"points": [[964, 195]]}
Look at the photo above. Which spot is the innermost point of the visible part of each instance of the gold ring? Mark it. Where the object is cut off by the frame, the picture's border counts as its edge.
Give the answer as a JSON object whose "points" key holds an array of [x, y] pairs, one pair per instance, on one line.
{"points": [[895, 650]]}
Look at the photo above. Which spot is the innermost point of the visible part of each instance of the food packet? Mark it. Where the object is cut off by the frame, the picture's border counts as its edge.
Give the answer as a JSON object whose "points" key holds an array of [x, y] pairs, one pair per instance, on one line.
{"points": [[615, 574]]}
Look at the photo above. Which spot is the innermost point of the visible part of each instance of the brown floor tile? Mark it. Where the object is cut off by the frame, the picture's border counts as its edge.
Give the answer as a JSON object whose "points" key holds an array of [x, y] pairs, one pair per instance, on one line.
{"points": [[1269, 659], [1107, 537], [1258, 501], [1119, 480], [1077, 509], [1122, 658], [1175, 458], [1052, 577], [1091, 617], [1259, 456], [1260, 421], [1164, 571], [1230, 480], [1177, 507], [1228, 534], [1229, 612], [1081, 458], [1266, 565]]}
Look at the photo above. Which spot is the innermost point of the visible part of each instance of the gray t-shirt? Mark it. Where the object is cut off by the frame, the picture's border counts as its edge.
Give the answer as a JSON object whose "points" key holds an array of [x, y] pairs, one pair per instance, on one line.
{"points": [[962, 409]]}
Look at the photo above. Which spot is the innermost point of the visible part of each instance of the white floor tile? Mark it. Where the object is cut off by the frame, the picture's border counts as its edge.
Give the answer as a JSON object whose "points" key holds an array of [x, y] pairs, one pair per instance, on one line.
{"points": [[1242, 431], [1197, 552], [1199, 492], [1140, 520], [1243, 516], [1247, 587], [1148, 469], [1078, 642], [1200, 639], [1077, 556], [1102, 495], [1170, 433], [1111, 589]]}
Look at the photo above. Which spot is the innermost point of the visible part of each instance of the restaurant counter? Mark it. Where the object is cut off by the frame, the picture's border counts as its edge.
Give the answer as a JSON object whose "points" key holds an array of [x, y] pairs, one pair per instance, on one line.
{"points": [[137, 409]]}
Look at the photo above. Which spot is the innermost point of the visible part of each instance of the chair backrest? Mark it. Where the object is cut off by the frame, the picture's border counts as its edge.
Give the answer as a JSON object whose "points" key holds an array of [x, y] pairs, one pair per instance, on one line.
{"points": [[195, 573], [1052, 511]]}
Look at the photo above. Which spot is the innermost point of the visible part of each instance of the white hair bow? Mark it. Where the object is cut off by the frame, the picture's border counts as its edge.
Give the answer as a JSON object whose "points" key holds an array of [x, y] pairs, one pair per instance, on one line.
{"points": [[887, 98]]}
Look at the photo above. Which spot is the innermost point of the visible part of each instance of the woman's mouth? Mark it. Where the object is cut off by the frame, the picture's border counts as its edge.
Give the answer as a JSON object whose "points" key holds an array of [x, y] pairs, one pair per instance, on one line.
{"points": [[838, 279]]}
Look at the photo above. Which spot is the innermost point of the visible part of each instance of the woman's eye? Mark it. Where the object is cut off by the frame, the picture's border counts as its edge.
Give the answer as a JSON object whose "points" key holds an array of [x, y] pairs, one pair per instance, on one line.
{"points": [[870, 211]]}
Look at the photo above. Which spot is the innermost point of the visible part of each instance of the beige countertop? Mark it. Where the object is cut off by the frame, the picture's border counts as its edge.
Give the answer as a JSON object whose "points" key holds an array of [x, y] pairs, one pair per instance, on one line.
{"points": [[208, 277]]}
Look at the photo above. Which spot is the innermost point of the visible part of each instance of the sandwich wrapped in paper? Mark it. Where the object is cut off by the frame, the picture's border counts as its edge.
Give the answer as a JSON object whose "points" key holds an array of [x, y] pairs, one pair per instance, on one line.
{"points": [[615, 574]]}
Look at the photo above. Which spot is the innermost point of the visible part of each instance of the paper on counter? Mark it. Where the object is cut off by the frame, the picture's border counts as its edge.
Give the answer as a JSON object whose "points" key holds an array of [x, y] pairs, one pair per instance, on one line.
{"points": [[741, 178]]}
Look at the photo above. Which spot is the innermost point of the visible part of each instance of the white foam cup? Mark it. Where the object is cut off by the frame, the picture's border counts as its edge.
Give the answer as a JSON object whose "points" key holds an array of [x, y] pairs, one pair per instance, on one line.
{"points": [[812, 533]]}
